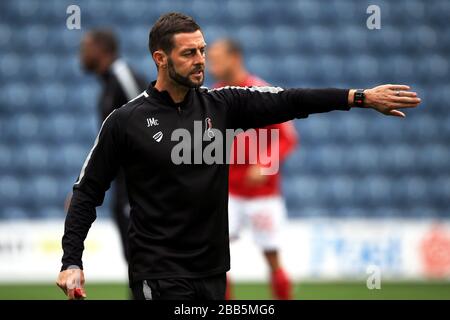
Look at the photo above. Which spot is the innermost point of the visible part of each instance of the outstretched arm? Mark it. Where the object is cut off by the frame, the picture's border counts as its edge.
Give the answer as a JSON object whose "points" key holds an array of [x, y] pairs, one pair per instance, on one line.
{"points": [[254, 107]]}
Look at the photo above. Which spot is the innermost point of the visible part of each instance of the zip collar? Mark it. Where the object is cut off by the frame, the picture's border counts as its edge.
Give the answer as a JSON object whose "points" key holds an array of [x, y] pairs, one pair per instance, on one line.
{"points": [[165, 97]]}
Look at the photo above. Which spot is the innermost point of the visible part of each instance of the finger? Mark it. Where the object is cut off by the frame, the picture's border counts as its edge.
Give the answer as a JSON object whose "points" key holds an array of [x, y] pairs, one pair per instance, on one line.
{"points": [[398, 87], [71, 294], [83, 293], [403, 105], [397, 113], [407, 94], [62, 287], [406, 100]]}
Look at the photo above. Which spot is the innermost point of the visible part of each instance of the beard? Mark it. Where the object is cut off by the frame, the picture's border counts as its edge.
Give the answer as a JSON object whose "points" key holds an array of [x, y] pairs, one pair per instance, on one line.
{"points": [[183, 80], [88, 66]]}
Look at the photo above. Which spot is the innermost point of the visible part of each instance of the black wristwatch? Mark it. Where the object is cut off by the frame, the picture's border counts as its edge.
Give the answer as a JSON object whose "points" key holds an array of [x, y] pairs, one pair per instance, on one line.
{"points": [[358, 98]]}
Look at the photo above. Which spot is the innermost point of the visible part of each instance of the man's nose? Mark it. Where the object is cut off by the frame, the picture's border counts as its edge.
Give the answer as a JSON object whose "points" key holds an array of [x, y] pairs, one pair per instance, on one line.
{"points": [[200, 58]]}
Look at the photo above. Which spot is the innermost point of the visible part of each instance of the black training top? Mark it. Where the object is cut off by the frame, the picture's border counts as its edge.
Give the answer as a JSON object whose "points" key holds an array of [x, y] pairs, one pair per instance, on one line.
{"points": [[179, 212]]}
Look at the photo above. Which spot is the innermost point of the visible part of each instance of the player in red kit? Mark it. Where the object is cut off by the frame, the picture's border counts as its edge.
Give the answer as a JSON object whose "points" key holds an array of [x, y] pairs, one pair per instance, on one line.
{"points": [[254, 198]]}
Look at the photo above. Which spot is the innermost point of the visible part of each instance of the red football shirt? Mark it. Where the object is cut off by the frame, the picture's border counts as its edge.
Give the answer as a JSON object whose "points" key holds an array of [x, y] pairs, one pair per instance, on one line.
{"points": [[238, 172]]}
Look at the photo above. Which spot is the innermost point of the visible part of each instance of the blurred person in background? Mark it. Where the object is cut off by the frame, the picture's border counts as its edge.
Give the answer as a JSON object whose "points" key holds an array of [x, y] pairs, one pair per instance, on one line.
{"points": [[254, 198], [99, 54]]}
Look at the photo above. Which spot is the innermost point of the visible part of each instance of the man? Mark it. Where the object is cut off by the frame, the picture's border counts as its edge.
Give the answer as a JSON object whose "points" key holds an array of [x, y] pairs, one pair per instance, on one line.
{"points": [[99, 54], [178, 238], [254, 197]]}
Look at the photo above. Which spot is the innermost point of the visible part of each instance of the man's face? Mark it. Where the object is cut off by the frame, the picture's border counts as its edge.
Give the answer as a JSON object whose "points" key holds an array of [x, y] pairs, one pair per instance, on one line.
{"points": [[186, 61], [220, 61], [89, 54]]}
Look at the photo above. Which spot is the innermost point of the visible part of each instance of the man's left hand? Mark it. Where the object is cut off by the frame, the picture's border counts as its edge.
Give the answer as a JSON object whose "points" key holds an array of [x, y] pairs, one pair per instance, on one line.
{"points": [[390, 97]]}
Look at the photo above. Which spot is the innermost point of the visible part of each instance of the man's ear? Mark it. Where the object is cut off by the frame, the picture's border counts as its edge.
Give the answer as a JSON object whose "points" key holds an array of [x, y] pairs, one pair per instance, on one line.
{"points": [[160, 58]]}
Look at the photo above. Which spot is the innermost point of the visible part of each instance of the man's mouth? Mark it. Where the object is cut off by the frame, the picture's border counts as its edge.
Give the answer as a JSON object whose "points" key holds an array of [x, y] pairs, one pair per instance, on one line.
{"points": [[197, 73]]}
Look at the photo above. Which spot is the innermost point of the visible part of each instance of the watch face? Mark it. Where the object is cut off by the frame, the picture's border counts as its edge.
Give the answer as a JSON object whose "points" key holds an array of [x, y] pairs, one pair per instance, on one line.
{"points": [[359, 97]]}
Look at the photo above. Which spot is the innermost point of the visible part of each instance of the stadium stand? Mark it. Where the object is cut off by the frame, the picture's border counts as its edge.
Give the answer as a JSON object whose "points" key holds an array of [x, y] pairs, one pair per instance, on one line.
{"points": [[357, 164]]}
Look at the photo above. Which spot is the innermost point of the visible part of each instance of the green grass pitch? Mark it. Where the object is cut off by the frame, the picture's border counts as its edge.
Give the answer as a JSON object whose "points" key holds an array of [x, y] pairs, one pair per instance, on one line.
{"points": [[302, 291]]}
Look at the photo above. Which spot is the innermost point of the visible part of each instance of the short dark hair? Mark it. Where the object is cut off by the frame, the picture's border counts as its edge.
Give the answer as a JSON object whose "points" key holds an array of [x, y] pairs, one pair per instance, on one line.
{"points": [[106, 39], [233, 46], [169, 24]]}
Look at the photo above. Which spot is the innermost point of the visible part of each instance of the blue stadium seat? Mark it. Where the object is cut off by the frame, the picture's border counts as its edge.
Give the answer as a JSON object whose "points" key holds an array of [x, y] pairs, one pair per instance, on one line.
{"points": [[364, 69], [69, 70], [42, 190], [10, 66], [423, 129], [48, 98], [13, 213], [5, 36], [444, 39], [384, 211], [363, 159], [105, 14], [6, 159], [36, 37], [10, 191], [339, 189], [351, 212], [70, 40], [440, 193], [51, 212], [436, 96], [133, 39], [433, 158], [307, 11], [341, 12], [313, 211], [303, 191], [22, 127], [88, 128], [84, 98], [261, 65], [60, 128], [330, 68], [410, 191], [388, 39], [207, 12], [68, 158], [397, 158], [420, 212], [15, 98], [31, 159], [238, 11], [384, 130], [373, 190], [283, 39], [422, 40], [43, 66], [399, 68], [352, 39], [321, 38], [438, 13], [214, 32], [251, 37], [408, 13], [350, 128], [434, 67], [445, 127]]}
